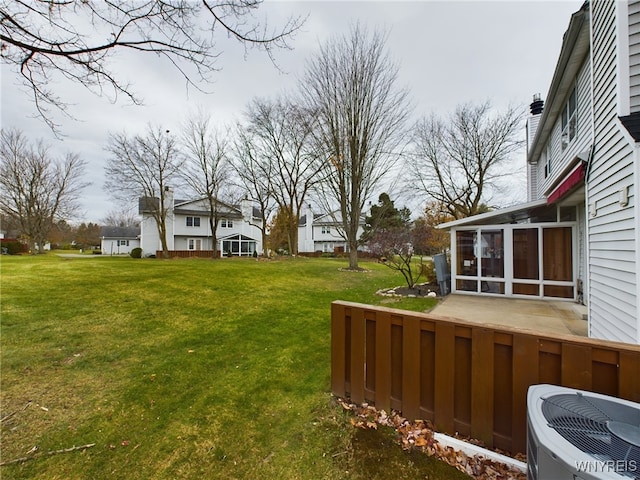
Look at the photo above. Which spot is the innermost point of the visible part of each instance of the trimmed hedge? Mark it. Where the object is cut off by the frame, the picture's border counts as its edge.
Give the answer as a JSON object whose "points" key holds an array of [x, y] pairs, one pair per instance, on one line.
{"points": [[13, 247]]}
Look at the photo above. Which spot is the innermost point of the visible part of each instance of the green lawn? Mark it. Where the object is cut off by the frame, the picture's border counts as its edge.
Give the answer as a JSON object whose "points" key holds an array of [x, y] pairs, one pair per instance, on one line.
{"points": [[184, 369]]}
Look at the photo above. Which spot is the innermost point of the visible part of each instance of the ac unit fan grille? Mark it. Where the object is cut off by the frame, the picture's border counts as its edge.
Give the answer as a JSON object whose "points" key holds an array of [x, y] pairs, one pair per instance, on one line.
{"points": [[585, 422]]}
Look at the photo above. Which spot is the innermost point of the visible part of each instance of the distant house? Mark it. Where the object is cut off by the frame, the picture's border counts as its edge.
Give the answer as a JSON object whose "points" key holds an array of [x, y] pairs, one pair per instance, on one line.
{"points": [[578, 236], [188, 228], [119, 240], [322, 232]]}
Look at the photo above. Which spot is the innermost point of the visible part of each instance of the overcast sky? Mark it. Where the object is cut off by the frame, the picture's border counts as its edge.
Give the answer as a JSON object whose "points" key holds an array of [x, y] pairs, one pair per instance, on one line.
{"points": [[449, 53]]}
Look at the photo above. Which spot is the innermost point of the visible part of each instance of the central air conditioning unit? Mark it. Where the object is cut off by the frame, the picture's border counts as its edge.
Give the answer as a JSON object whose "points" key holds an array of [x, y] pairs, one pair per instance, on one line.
{"points": [[573, 434]]}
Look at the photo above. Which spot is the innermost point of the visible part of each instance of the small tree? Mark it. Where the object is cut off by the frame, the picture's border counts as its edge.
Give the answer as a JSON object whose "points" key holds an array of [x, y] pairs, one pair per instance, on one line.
{"points": [[87, 234], [427, 238], [395, 247], [384, 216], [279, 238]]}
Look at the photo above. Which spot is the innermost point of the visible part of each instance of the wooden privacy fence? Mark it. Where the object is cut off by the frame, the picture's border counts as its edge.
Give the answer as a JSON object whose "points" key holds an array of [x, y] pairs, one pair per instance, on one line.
{"points": [[466, 377], [189, 253]]}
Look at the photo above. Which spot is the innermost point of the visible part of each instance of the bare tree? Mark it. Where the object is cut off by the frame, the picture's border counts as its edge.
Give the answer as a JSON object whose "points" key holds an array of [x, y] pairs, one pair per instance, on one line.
{"points": [[77, 38], [120, 218], [142, 168], [352, 85], [207, 168], [254, 174], [35, 189], [281, 132], [459, 163], [394, 246]]}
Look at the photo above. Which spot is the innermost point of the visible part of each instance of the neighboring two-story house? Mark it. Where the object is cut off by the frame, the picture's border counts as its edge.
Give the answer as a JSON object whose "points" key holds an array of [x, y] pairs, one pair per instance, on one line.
{"points": [[322, 232], [578, 235], [188, 228]]}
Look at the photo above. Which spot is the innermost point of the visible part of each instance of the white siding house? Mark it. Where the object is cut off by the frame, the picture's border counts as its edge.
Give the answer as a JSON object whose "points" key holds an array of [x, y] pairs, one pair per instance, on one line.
{"points": [[188, 228], [613, 231], [322, 232], [577, 237], [119, 240]]}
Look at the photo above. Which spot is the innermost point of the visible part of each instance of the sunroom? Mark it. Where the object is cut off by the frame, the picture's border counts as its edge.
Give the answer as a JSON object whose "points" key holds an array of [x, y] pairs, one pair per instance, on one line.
{"points": [[530, 250], [238, 245]]}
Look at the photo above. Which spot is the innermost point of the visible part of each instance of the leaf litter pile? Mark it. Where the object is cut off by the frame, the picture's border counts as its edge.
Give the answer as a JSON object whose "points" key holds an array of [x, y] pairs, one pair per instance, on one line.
{"points": [[418, 435]]}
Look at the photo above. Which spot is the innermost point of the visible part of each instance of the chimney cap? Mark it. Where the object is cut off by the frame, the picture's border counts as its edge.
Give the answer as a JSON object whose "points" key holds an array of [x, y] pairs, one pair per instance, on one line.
{"points": [[537, 105]]}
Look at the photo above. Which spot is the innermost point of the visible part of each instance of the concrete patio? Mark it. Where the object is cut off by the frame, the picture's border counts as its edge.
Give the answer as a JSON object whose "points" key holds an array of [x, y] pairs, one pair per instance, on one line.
{"points": [[548, 316]]}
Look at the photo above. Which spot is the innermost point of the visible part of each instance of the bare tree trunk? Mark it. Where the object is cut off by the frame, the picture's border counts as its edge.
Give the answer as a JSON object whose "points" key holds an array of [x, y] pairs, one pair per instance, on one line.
{"points": [[351, 84]]}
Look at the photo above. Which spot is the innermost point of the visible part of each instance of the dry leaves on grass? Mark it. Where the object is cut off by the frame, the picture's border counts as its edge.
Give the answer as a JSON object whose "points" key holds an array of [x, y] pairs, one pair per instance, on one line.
{"points": [[419, 435]]}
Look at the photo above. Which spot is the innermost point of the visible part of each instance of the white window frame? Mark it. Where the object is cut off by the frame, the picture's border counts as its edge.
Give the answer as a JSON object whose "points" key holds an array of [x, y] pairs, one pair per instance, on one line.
{"points": [[548, 163], [569, 119], [194, 244], [226, 223], [195, 221]]}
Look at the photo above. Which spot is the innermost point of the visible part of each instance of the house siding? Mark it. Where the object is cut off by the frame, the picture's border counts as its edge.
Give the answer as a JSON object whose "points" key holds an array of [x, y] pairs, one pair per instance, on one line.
{"points": [[612, 232], [561, 159], [311, 239], [634, 55], [179, 234]]}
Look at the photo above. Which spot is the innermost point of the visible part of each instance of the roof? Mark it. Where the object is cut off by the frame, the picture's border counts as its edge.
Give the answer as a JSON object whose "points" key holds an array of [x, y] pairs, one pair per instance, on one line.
{"points": [[237, 236], [119, 232], [192, 207], [515, 214], [303, 219], [632, 124], [148, 204], [332, 218]]}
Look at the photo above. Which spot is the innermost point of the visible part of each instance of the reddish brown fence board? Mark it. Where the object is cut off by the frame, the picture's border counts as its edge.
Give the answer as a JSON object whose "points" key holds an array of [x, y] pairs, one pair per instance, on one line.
{"points": [[465, 377], [189, 254]]}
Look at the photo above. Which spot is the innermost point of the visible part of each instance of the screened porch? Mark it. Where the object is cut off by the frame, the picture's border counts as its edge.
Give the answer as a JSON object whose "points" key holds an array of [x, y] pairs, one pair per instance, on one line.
{"points": [[531, 251]]}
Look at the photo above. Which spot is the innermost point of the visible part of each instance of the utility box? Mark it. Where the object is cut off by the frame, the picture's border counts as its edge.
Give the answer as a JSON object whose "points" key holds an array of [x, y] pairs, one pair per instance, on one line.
{"points": [[443, 273]]}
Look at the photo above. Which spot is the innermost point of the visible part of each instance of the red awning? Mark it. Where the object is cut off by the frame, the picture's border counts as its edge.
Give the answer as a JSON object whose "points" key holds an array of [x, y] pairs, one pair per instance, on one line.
{"points": [[570, 182]]}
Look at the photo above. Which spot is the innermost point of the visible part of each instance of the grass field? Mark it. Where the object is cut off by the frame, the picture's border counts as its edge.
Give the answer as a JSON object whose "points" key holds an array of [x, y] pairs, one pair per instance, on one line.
{"points": [[184, 369]]}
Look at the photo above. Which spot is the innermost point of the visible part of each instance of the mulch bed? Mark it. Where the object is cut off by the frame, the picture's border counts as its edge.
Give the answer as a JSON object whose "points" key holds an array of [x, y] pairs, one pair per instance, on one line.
{"points": [[420, 290]]}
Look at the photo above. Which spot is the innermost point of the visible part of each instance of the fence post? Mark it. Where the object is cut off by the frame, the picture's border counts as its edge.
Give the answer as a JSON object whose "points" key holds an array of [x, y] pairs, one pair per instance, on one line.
{"points": [[629, 376], [525, 372], [358, 359], [482, 375], [338, 349], [411, 367], [383, 361], [444, 374]]}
